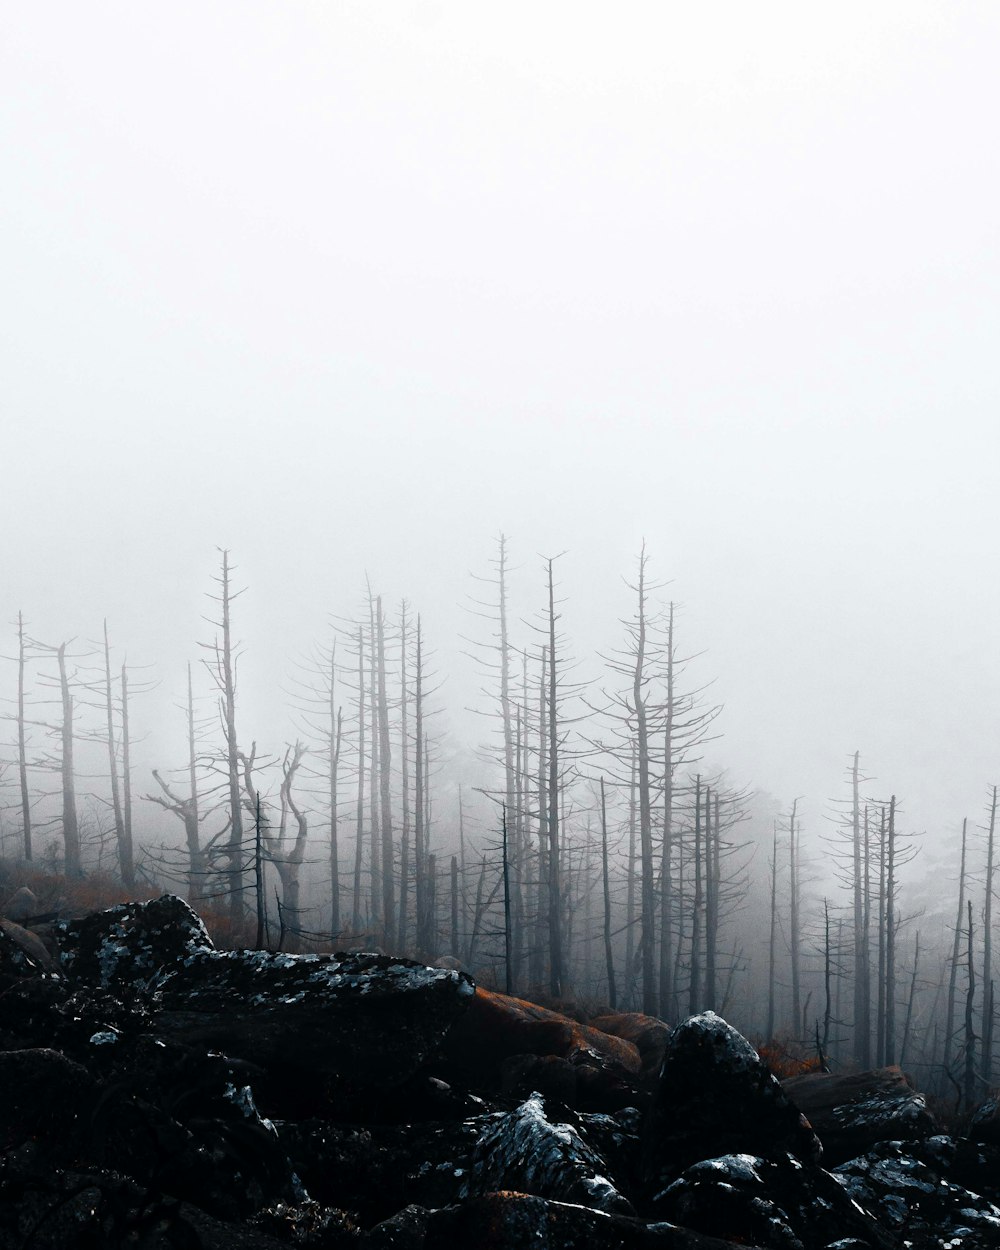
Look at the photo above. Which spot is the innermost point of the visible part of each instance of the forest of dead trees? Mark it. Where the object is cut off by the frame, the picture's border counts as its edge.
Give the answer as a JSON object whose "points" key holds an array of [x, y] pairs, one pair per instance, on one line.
{"points": [[598, 855]]}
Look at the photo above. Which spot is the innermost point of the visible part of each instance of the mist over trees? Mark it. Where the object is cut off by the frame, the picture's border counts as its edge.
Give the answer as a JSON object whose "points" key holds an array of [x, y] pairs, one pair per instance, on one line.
{"points": [[589, 843]]}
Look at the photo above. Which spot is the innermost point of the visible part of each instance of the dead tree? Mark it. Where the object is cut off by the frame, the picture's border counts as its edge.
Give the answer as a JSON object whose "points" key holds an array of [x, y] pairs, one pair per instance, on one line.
{"points": [[221, 665]]}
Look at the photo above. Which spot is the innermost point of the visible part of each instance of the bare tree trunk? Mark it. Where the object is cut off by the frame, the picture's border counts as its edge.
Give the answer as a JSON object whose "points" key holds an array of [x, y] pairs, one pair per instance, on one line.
{"points": [[880, 1015], [225, 677], [555, 885], [695, 981], [862, 1023], [970, 1034], [537, 962], [374, 777], [909, 1001], [22, 757], [988, 944], [192, 816], [608, 953], [455, 941], [336, 738], [71, 827], [711, 896], [360, 810], [384, 751], [828, 1006], [890, 940], [508, 983], [666, 850], [647, 910], [772, 943], [419, 848], [125, 865], [127, 780], [793, 903], [630, 887], [404, 764]]}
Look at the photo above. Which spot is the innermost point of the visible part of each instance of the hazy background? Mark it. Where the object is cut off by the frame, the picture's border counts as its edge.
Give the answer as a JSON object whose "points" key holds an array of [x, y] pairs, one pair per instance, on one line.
{"points": [[351, 287]]}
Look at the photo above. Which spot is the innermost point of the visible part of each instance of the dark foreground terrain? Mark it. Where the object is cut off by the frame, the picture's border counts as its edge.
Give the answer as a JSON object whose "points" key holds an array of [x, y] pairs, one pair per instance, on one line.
{"points": [[156, 1093]]}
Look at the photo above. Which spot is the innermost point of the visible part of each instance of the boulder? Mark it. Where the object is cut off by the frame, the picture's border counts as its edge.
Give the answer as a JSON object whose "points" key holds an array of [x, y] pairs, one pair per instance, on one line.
{"points": [[321, 1026], [22, 905], [851, 1113], [715, 1096], [376, 1170], [647, 1034], [532, 1152], [44, 1096], [780, 1203], [915, 1201], [20, 956], [488, 1046], [984, 1126], [126, 948], [513, 1221]]}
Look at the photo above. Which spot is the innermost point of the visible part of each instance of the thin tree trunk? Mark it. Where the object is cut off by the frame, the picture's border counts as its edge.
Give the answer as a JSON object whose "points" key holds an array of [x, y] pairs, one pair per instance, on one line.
{"points": [[988, 944], [22, 757], [772, 941], [125, 865], [192, 816], [127, 781], [890, 940], [862, 1029], [404, 764], [360, 810], [970, 1034], [793, 903], [666, 849], [555, 887], [508, 985], [608, 953], [909, 1000], [694, 988], [647, 910], [71, 827], [385, 753], [711, 896], [880, 1017], [419, 849]]}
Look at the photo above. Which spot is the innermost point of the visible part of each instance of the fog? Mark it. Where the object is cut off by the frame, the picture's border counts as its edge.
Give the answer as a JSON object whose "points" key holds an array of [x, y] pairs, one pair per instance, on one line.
{"points": [[350, 289]]}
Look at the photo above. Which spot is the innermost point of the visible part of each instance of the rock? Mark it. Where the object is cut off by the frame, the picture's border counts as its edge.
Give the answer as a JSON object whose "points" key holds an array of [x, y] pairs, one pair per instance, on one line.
{"points": [[19, 956], [715, 1096], [959, 1160], [512, 1221], [780, 1203], [321, 1026], [511, 1044], [914, 1200], [851, 1113], [126, 948], [21, 905], [532, 1153], [984, 1126], [376, 1170], [647, 1034], [406, 1230], [44, 1096], [31, 944]]}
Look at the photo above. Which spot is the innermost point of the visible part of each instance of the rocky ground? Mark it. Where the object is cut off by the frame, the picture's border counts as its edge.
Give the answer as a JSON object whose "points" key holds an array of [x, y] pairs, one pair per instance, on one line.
{"points": [[157, 1093]]}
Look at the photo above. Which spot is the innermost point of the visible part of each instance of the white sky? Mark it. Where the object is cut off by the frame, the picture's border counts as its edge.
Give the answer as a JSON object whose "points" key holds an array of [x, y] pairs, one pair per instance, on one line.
{"points": [[351, 286]]}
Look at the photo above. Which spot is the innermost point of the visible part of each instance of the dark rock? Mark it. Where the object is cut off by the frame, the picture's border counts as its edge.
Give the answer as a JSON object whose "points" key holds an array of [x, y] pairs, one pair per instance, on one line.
{"points": [[126, 947], [851, 1113], [497, 1026], [984, 1125], [21, 905], [511, 1221], [715, 1096], [324, 1027], [44, 1095], [406, 1230], [647, 1034], [32, 946], [16, 958], [917, 1204], [532, 1153], [780, 1203], [376, 1170], [959, 1160], [308, 1226]]}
